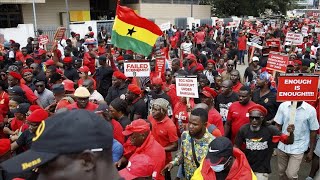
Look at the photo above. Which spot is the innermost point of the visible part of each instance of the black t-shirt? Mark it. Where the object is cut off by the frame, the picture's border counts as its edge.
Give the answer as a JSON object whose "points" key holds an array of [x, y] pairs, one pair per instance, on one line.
{"points": [[104, 77], [115, 92], [258, 146], [71, 74], [124, 121], [232, 54], [25, 140], [251, 73], [139, 108], [268, 101], [222, 103]]}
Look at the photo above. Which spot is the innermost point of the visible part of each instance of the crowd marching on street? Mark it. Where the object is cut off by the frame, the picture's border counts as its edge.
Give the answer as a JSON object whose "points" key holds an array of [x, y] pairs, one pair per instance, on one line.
{"points": [[138, 102]]}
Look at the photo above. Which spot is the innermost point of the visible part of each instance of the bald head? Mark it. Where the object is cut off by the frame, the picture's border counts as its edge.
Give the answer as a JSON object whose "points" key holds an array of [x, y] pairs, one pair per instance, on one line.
{"points": [[202, 106], [88, 83], [227, 83]]}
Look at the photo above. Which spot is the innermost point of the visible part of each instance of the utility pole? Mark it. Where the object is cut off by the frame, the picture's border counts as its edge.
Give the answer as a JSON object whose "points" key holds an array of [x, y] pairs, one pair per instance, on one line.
{"points": [[35, 18]]}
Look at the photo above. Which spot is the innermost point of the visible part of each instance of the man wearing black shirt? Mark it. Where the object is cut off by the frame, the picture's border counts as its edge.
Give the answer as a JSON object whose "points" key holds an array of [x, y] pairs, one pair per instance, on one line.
{"points": [[224, 100], [137, 106], [233, 54], [104, 76], [252, 71], [265, 97], [118, 111], [260, 140], [69, 71]]}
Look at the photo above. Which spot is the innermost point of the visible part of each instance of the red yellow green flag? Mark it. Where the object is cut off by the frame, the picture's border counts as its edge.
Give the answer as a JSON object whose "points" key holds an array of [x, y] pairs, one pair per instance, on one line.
{"points": [[133, 32]]}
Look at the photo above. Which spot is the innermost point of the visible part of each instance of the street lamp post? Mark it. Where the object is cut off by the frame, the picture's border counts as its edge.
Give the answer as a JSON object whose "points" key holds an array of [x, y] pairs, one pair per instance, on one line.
{"points": [[68, 19], [191, 8], [35, 18]]}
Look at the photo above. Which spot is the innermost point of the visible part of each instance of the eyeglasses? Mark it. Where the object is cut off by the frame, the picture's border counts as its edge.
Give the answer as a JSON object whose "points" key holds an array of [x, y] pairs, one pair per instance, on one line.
{"points": [[255, 117]]}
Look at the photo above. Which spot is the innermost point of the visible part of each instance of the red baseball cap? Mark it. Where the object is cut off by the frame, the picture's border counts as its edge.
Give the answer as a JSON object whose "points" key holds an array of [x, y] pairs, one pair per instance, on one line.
{"points": [[139, 165], [157, 81], [211, 61], [68, 85], [119, 75], [134, 89], [42, 51], [84, 69], [192, 57], [138, 125], [38, 115], [49, 62], [67, 60], [208, 92], [5, 146], [26, 70], [34, 107]]}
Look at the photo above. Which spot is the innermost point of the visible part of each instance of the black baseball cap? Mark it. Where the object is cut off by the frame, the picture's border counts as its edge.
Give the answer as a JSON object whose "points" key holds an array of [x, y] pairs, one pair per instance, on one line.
{"points": [[58, 88], [219, 148], [59, 134], [16, 90], [22, 108]]}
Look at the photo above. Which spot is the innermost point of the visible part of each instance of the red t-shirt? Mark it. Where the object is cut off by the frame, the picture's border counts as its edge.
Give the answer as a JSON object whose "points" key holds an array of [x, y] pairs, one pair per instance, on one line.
{"points": [[4, 103], [181, 108], [239, 116], [155, 151], [19, 56], [165, 132], [90, 62], [117, 131], [215, 118], [242, 43], [236, 88], [24, 58], [80, 82], [32, 98], [172, 93], [174, 42], [200, 37], [90, 106], [16, 124]]}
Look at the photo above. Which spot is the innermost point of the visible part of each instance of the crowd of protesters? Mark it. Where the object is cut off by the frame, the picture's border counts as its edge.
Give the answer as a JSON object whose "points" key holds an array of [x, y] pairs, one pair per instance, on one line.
{"points": [[71, 113]]}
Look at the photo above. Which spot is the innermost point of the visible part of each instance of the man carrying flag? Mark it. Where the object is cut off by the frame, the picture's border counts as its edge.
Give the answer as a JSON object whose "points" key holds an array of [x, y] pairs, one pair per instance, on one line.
{"points": [[133, 32]]}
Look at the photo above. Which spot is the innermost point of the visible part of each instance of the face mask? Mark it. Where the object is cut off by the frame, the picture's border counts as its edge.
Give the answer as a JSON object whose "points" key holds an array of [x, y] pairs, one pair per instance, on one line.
{"points": [[220, 167], [287, 49]]}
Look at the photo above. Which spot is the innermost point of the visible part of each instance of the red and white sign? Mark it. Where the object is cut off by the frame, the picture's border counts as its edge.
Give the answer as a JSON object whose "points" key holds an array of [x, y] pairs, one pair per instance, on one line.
{"points": [[294, 38], [59, 33], [297, 88], [273, 42], [160, 65], [137, 69], [277, 62], [43, 39], [187, 87], [304, 30]]}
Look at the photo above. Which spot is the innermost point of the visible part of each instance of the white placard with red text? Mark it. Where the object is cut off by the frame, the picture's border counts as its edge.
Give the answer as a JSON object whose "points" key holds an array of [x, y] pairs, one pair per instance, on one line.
{"points": [[187, 87], [294, 38], [137, 69]]}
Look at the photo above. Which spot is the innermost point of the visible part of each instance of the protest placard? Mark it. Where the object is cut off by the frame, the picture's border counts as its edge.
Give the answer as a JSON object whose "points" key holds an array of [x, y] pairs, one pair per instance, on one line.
{"points": [[165, 26], [187, 87], [137, 69], [304, 30], [294, 38], [160, 65], [277, 62], [43, 39], [293, 87], [59, 33], [255, 40], [273, 42]]}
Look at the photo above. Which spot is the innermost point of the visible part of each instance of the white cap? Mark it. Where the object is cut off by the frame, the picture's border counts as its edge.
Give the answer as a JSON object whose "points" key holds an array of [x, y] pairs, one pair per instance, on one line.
{"points": [[82, 92], [255, 58]]}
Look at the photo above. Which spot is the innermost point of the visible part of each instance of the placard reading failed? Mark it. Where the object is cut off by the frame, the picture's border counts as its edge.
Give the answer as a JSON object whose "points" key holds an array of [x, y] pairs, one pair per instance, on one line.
{"points": [[187, 87], [137, 69]]}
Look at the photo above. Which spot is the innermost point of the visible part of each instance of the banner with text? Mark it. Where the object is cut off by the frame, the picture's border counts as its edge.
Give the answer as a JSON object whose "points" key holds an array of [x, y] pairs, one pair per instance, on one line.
{"points": [[294, 38], [59, 33], [255, 40], [294, 87], [277, 62], [137, 69], [187, 87], [160, 65]]}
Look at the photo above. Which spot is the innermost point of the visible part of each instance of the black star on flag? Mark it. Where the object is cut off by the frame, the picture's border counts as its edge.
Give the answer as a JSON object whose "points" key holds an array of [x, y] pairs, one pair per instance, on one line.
{"points": [[131, 31]]}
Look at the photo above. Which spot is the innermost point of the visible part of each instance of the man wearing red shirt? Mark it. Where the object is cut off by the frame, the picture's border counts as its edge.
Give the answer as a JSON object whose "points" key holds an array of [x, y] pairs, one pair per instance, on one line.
{"points": [[242, 46], [238, 113], [235, 78], [207, 95], [199, 38], [163, 128], [85, 75], [14, 80], [82, 100], [4, 99], [16, 49], [89, 58], [25, 54], [141, 138], [174, 43]]}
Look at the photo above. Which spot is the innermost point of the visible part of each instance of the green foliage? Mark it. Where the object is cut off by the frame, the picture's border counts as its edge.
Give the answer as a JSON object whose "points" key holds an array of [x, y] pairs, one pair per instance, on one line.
{"points": [[225, 8]]}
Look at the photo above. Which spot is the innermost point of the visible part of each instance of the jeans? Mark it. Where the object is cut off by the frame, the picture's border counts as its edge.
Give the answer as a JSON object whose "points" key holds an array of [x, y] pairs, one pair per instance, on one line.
{"points": [[241, 54]]}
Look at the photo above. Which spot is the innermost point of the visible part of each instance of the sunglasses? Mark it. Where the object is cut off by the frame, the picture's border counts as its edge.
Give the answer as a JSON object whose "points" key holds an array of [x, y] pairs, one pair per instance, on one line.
{"points": [[39, 85], [230, 65]]}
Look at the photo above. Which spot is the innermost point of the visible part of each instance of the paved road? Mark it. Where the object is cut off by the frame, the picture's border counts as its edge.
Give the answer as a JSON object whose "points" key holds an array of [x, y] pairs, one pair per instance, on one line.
{"points": [[304, 168]]}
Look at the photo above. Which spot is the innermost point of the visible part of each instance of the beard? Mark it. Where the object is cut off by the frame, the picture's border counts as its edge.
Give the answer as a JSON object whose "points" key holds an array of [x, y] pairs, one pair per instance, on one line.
{"points": [[255, 129]]}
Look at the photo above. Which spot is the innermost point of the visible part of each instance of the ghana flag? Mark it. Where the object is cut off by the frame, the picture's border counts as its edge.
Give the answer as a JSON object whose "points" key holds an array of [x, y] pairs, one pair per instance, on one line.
{"points": [[133, 32]]}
